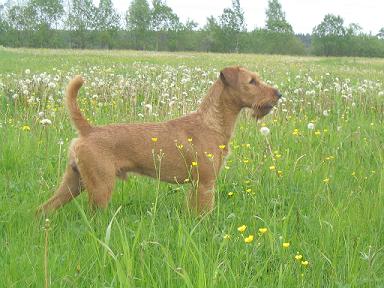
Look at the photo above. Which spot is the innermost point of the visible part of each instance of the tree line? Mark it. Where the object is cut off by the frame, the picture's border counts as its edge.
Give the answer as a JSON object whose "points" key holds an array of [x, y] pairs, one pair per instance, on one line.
{"points": [[155, 26]]}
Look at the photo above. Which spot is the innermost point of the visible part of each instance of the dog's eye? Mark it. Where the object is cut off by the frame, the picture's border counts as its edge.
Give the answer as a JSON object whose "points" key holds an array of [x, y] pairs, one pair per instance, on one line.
{"points": [[253, 82]]}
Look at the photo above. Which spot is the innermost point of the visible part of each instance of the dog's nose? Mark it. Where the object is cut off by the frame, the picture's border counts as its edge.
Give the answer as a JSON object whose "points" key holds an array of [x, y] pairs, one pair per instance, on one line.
{"points": [[278, 94]]}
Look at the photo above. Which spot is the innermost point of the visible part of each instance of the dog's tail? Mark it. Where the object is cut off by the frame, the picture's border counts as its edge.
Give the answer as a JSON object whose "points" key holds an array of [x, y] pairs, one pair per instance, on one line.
{"points": [[81, 124]]}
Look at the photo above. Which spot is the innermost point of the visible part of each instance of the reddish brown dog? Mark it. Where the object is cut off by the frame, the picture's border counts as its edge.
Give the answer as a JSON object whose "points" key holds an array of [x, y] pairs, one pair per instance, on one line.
{"points": [[191, 148]]}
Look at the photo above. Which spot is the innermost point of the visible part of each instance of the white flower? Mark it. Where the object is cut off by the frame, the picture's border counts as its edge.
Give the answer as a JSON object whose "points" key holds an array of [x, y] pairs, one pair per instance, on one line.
{"points": [[26, 92], [326, 113], [311, 126], [264, 130], [41, 114], [148, 107], [27, 71], [51, 85], [45, 122], [14, 96]]}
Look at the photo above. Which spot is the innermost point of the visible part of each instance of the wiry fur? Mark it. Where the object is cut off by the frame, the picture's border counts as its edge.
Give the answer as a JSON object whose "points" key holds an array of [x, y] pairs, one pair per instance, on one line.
{"points": [[102, 153]]}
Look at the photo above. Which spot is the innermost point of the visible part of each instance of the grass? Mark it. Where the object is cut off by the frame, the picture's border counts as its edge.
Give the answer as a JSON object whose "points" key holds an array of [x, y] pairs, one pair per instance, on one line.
{"points": [[327, 202]]}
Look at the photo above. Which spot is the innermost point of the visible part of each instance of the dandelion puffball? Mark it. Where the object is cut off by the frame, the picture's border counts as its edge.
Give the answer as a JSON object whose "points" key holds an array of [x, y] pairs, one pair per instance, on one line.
{"points": [[265, 131], [311, 126], [46, 122]]}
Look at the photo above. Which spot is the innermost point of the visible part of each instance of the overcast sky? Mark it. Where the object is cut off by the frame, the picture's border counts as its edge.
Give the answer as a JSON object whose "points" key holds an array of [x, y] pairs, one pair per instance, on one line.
{"points": [[303, 15]]}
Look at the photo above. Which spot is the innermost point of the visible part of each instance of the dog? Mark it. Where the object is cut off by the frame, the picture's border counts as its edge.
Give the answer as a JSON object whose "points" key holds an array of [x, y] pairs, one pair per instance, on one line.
{"points": [[189, 149]]}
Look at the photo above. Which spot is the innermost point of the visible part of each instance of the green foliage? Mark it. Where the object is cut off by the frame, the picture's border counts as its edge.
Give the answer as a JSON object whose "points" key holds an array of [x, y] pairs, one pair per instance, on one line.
{"points": [[81, 21], [276, 21], [138, 22], [268, 42], [155, 26], [223, 34], [332, 38]]}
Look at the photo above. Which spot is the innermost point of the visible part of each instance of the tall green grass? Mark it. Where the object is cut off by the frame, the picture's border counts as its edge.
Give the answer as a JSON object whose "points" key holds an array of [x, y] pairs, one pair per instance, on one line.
{"points": [[327, 202]]}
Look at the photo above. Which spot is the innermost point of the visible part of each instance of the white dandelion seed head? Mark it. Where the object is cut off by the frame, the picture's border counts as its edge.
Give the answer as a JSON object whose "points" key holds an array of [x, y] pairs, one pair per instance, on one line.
{"points": [[148, 107], [311, 126], [45, 122], [27, 71], [51, 85], [41, 114], [325, 113], [264, 131]]}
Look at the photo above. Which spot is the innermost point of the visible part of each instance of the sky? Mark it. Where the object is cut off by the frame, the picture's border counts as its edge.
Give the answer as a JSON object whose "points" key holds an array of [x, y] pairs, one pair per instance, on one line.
{"points": [[303, 15]]}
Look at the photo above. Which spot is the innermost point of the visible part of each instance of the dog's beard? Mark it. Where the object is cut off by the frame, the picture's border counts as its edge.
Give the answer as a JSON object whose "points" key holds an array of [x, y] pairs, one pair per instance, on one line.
{"points": [[259, 111]]}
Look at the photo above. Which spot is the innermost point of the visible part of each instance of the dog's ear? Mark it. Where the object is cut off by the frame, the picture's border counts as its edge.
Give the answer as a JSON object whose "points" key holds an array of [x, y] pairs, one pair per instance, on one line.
{"points": [[230, 76]]}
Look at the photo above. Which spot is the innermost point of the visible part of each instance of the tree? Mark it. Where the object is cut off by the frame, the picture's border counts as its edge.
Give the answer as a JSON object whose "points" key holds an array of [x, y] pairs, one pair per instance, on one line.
{"points": [[138, 21], [163, 19], [45, 16], [81, 20], [328, 35], [107, 22], [276, 21], [380, 35], [232, 23], [223, 34], [354, 29]]}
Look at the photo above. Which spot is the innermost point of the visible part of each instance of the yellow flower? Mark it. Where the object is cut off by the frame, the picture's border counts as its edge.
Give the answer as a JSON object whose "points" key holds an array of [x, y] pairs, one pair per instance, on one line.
{"points": [[194, 163], [246, 161], [227, 237], [210, 155], [263, 230], [278, 156], [304, 263], [286, 245], [189, 140], [272, 168], [353, 173], [230, 194], [26, 128], [242, 228], [180, 146], [222, 147], [280, 173], [298, 257], [326, 180], [249, 190], [295, 132], [247, 181], [248, 239], [317, 133], [154, 139], [227, 167]]}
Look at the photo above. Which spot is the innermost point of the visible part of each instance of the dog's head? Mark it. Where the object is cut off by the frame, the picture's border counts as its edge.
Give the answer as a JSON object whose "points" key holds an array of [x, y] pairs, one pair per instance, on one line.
{"points": [[246, 89]]}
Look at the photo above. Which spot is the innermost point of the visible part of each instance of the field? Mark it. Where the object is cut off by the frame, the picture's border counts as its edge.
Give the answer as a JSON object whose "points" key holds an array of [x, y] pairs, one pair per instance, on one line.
{"points": [[311, 192]]}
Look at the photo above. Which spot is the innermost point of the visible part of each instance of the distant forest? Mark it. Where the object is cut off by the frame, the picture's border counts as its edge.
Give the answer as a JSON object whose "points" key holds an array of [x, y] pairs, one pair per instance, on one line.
{"points": [[155, 26]]}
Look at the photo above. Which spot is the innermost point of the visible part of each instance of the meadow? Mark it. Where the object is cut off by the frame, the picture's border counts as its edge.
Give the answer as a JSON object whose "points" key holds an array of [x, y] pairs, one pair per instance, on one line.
{"points": [[310, 193]]}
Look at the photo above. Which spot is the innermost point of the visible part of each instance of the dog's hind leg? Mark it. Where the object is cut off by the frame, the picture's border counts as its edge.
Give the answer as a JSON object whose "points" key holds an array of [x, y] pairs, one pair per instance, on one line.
{"points": [[70, 187], [98, 176]]}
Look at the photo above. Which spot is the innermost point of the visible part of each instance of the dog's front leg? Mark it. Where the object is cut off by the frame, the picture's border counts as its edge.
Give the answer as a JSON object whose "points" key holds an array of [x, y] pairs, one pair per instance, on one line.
{"points": [[202, 198]]}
